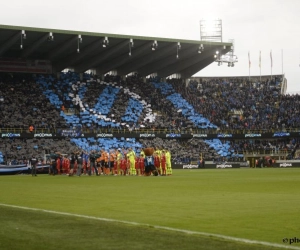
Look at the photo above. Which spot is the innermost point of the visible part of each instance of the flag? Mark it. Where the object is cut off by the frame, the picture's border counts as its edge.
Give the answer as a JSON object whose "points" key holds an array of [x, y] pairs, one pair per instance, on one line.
{"points": [[249, 60], [271, 59], [260, 59]]}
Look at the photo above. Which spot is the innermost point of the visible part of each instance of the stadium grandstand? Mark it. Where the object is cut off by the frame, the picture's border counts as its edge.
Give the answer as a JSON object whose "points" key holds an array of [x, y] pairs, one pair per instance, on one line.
{"points": [[63, 91]]}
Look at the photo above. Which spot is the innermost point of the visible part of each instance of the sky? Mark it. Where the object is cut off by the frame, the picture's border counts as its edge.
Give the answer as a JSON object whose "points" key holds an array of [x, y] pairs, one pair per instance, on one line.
{"points": [[255, 25]]}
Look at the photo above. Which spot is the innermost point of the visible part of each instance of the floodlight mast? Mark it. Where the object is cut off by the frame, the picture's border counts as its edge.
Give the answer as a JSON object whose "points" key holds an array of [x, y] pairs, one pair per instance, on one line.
{"points": [[211, 30]]}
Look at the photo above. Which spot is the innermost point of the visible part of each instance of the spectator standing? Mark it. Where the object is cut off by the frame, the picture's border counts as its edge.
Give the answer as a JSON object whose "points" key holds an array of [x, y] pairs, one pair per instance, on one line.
{"points": [[31, 128]]}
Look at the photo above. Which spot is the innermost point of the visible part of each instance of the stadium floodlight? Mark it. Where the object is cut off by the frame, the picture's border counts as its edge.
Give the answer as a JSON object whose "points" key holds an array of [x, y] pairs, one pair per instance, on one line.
{"points": [[200, 49], [131, 44], [79, 40], [211, 30], [105, 42], [154, 45], [50, 37], [23, 36], [178, 48]]}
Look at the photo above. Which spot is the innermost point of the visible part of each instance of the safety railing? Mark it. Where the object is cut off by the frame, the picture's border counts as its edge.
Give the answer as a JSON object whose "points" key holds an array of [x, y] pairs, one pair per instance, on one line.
{"points": [[150, 130]]}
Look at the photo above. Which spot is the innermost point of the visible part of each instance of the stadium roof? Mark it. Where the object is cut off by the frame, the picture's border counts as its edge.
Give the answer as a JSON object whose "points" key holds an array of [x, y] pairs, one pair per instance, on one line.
{"points": [[62, 53]]}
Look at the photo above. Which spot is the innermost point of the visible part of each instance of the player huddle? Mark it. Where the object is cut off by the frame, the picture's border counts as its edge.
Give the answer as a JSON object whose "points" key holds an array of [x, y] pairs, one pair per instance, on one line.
{"points": [[112, 162]]}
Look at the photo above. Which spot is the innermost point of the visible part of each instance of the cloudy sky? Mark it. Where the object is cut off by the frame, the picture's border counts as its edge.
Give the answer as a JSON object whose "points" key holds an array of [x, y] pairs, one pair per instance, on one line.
{"points": [[255, 25]]}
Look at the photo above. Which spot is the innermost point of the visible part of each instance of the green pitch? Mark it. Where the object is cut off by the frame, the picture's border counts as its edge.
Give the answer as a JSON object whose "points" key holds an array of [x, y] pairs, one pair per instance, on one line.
{"points": [[254, 204]]}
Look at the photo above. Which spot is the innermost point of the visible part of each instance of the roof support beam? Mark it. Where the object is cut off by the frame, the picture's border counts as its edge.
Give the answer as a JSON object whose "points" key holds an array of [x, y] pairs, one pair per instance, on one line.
{"points": [[124, 59], [96, 60], [72, 59], [188, 72], [193, 69], [35, 45], [152, 56], [180, 65], [157, 65], [4, 47], [61, 47]]}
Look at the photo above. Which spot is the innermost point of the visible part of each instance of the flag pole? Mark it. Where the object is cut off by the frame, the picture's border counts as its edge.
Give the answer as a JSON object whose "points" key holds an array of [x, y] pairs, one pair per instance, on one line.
{"points": [[282, 60], [260, 66], [249, 63], [271, 63]]}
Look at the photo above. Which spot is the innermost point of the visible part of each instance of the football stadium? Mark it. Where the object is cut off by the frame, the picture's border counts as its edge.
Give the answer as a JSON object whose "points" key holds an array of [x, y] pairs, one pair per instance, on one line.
{"points": [[109, 141]]}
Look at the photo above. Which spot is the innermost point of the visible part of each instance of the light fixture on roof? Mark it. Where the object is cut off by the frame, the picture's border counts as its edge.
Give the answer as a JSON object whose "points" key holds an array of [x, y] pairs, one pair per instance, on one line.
{"points": [[23, 34], [23, 37], [50, 37], [79, 40], [154, 45], [105, 42], [131, 44], [224, 47], [200, 49], [217, 56], [178, 48], [178, 45]]}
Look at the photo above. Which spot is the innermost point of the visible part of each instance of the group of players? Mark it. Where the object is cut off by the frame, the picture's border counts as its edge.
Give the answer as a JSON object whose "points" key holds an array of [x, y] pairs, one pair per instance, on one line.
{"points": [[113, 162]]}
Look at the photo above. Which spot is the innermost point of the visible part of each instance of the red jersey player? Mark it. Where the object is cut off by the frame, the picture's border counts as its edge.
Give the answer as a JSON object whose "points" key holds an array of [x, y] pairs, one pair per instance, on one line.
{"points": [[136, 165], [156, 162], [163, 163], [142, 165]]}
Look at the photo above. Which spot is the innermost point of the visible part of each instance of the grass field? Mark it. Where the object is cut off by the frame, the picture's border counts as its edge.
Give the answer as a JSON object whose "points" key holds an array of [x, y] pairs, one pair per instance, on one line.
{"points": [[255, 204]]}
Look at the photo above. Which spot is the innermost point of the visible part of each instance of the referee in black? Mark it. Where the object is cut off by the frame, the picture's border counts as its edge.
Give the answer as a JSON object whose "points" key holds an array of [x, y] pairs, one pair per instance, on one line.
{"points": [[33, 162], [93, 156]]}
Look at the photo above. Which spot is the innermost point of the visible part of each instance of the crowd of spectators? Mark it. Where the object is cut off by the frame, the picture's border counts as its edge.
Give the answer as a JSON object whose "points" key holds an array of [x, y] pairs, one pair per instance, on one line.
{"points": [[23, 104], [18, 150], [228, 103], [267, 146], [182, 151], [167, 116], [241, 104]]}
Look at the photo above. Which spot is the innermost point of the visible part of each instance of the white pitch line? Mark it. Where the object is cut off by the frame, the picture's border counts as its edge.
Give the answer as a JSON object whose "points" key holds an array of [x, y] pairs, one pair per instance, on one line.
{"points": [[220, 236]]}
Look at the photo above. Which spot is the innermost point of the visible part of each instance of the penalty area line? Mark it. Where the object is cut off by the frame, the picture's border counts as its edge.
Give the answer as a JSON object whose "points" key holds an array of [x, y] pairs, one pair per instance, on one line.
{"points": [[219, 236]]}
